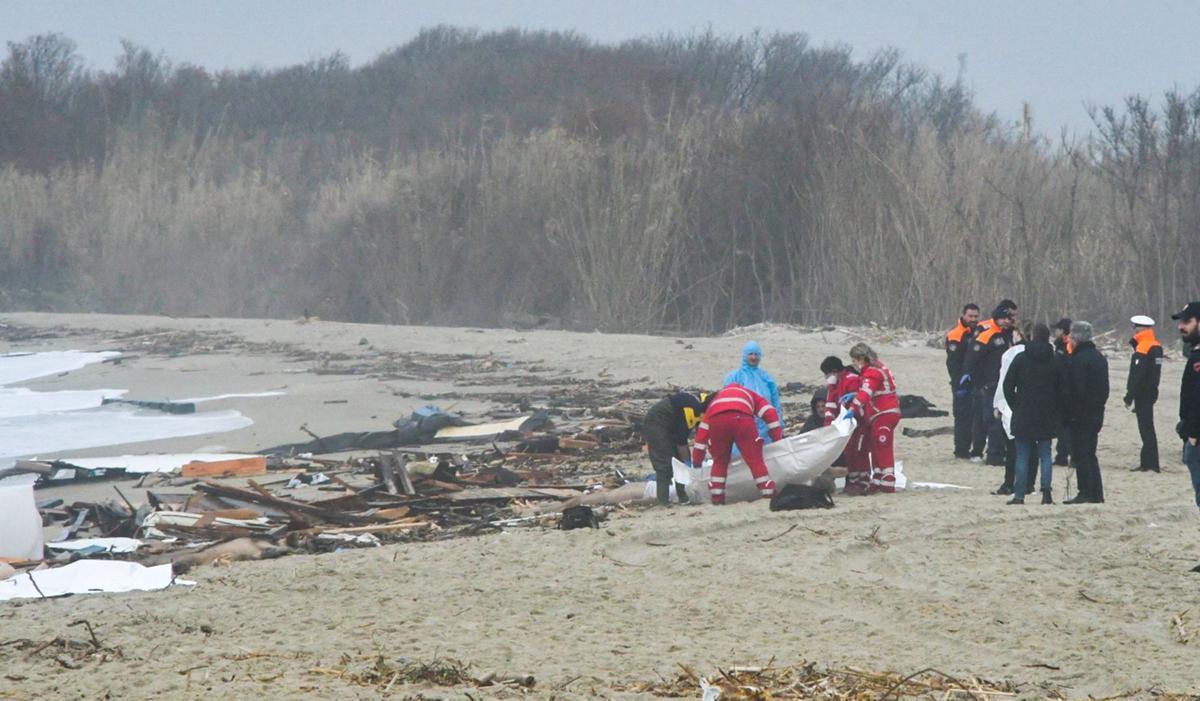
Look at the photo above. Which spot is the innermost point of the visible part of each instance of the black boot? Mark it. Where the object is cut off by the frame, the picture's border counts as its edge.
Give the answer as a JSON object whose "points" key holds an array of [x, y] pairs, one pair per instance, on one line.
{"points": [[1016, 500], [1046, 497]]}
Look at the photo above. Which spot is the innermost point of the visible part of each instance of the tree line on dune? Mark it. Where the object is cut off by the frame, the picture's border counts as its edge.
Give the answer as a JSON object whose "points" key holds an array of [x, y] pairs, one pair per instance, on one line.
{"points": [[686, 184]]}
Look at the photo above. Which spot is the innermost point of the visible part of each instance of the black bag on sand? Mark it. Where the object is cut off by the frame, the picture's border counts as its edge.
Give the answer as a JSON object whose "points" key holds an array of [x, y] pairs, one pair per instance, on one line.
{"points": [[801, 496], [578, 517]]}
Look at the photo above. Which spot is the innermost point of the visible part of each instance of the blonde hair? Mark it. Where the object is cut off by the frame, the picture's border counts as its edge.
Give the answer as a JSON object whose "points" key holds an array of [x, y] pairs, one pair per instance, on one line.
{"points": [[861, 351]]}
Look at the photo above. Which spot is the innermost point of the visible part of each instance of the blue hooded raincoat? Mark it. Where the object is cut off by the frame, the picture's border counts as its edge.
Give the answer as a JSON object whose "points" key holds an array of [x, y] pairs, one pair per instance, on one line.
{"points": [[758, 381]]}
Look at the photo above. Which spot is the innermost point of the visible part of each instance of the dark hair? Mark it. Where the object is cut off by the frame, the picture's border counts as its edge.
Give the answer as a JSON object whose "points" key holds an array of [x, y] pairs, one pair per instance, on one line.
{"points": [[1008, 304], [831, 364], [1064, 324], [1041, 333], [969, 306]]}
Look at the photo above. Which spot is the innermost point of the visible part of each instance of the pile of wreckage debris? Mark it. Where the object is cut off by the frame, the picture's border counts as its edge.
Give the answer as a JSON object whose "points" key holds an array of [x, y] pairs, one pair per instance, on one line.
{"points": [[433, 477]]}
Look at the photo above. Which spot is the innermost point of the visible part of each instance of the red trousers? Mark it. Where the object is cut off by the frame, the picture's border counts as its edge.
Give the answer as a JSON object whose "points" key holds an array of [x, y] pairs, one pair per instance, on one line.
{"points": [[877, 442], [724, 431], [858, 462]]}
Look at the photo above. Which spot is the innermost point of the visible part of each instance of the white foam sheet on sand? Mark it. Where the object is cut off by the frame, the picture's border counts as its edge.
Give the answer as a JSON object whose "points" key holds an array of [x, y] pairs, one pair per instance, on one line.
{"points": [[19, 367], [75, 430], [19, 401], [140, 464], [88, 577], [235, 395], [110, 545], [20, 522]]}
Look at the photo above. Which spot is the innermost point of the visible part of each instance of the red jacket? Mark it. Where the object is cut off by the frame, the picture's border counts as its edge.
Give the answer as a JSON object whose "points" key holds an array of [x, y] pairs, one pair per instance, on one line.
{"points": [[735, 398], [847, 381], [877, 393]]}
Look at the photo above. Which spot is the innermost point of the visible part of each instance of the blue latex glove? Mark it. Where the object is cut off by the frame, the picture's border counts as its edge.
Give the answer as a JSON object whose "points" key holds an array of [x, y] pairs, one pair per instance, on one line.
{"points": [[962, 392], [846, 398], [964, 381], [847, 414]]}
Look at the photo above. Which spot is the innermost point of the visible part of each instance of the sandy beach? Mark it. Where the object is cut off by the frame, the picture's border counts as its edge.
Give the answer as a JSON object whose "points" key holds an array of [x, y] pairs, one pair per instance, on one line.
{"points": [[1073, 598]]}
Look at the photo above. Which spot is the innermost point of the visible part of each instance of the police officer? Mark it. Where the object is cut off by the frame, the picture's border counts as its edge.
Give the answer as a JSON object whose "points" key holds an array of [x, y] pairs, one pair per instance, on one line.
{"points": [[1189, 394], [666, 429], [958, 343], [1141, 390], [981, 374], [1088, 385]]}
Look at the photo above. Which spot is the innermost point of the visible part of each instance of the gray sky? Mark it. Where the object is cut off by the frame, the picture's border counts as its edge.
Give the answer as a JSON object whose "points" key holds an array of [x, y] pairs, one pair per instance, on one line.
{"points": [[1057, 54]]}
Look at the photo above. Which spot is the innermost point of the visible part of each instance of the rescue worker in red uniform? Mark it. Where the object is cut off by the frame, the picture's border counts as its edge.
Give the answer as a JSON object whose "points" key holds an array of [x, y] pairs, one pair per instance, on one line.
{"points": [[877, 407], [732, 419], [842, 384]]}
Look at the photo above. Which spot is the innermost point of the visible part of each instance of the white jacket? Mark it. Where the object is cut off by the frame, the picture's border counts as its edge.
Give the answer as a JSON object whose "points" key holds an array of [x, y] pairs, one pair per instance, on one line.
{"points": [[999, 403]]}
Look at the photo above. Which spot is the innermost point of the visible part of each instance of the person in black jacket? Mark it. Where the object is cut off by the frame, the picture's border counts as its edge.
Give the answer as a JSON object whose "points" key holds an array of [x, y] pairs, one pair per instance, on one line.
{"points": [[1141, 390], [666, 429], [1088, 375], [1062, 334], [981, 375], [816, 411], [1035, 386], [1189, 394], [958, 343]]}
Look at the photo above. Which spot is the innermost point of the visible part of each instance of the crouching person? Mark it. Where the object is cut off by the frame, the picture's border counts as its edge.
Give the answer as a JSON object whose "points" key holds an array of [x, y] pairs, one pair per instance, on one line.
{"points": [[732, 419], [666, 429]]}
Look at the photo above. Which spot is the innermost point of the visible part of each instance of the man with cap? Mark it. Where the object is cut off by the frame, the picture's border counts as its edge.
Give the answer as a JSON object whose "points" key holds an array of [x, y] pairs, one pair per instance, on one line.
{"points": [[1141, 390], [1088, 386], [981, 374], [958, 342], [754, 378], [1189, 393], [1062, 334]]}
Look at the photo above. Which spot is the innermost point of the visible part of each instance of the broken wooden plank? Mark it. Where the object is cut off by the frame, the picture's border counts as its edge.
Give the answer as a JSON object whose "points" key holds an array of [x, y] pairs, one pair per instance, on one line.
{"points": [[226, 468], [289, 506]]}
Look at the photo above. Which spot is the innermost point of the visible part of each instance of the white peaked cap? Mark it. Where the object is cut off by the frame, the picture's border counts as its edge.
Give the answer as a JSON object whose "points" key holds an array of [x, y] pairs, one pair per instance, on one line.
{"points": [[1141, 320]]}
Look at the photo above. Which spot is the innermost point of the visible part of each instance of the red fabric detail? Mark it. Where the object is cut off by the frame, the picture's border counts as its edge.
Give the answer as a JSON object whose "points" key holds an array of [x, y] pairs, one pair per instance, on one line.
{"points": [[724, 431], [847, 381], [881, 439]]}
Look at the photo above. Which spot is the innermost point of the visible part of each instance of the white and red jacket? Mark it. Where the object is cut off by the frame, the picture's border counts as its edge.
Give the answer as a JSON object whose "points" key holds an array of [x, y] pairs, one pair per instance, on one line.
{"points": [[877, 393], [844, 382], [735, 398]]}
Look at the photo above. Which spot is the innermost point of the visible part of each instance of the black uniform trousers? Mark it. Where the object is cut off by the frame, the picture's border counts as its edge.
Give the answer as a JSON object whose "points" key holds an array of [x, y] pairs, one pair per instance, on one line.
{"points": [[997, 439], [1062, 447], [1087, 465], [981, 422], [662, 449], [1145, 422], [964, 423]]}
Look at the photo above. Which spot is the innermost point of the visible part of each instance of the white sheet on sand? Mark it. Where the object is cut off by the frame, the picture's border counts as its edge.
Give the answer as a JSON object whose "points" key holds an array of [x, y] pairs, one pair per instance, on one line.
{"points": [[141, 464], [794, 460], [109, 545], [88, 577], [20, 522], [19, 367], [20, 401], [74, 430], [236, 395]]}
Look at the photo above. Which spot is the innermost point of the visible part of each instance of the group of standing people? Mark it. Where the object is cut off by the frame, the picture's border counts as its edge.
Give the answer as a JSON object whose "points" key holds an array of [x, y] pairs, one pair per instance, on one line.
{"points": [[1015, 392], [747, 413]]}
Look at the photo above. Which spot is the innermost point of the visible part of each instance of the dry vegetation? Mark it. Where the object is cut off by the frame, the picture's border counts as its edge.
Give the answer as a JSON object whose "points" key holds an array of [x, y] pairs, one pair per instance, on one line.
{"points": [[689, 183]]}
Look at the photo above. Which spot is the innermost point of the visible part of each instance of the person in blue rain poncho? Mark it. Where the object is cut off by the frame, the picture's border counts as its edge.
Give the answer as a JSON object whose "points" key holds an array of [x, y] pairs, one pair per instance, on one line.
{"points": [[754, 378]]}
